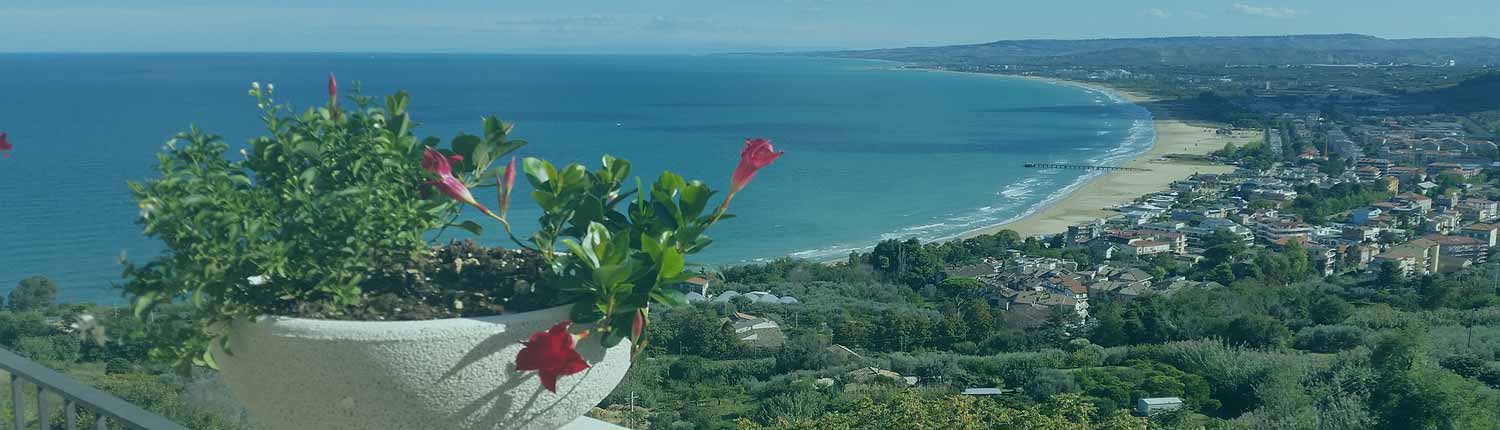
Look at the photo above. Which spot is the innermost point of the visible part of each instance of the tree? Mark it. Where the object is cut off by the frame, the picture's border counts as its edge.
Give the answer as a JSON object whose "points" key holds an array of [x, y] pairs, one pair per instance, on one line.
{"points": [[960, 287], [907, 262], [1330, 309], [979, 318], [1257, 330], [32, 293], [1390, 275], [952, 330], [1221, 273], [692, 332], [803, 351], [1330, 338], [1413, 394], [1298, 262], [14, 326], [1221, 248]]}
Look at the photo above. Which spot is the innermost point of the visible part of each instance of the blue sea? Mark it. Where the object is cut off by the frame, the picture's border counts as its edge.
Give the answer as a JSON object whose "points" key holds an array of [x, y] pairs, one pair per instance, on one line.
{"points": [[872, 151]]}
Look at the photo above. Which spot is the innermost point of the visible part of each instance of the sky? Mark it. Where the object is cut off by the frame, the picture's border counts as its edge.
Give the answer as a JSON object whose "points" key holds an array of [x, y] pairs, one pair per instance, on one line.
{"points": [[689, 26]]}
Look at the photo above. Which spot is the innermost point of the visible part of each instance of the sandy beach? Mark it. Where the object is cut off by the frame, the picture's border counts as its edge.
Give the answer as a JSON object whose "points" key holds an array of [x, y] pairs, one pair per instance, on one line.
{"points": [[1089, 202]]}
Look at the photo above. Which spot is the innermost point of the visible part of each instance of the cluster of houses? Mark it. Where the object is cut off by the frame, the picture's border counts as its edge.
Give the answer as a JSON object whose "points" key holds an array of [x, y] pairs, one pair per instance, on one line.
{"points": [[1031, 289], [751, 330], [1419, 234]]}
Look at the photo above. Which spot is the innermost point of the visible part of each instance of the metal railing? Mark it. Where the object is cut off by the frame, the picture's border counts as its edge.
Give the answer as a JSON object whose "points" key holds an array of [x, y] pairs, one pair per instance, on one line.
{"points": [[106, 408]]}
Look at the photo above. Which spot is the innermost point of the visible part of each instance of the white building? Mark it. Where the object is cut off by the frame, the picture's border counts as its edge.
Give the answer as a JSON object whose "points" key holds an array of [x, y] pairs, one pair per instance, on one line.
{"points": [[1148, 406]]}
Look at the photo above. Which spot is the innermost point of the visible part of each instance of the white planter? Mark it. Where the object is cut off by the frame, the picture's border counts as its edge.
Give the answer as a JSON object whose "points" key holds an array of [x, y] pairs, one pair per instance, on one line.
{"points": [[450, 374]]}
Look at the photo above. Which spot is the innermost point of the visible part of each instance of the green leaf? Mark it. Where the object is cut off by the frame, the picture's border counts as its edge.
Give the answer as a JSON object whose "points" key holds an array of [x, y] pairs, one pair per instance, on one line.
{"points": [[400, 124], [589, 209], [494, 129], [508, 147], [546, 201], [349, 191], [671, 264], [694, 198], [651, 246], [208, 359], [613, 337], [701, 243], [574, 174], [464, 145], [144, 302], [309, 176], [308, 148], [669, 297], [598, 239], [472, 227], [539, 172], [611, 275], [581, 252], [585, 311], [396, 104]]}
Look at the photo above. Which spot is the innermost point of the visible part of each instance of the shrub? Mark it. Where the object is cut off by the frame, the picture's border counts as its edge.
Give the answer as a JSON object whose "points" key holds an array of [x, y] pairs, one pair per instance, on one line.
{"points": [[33, 293], [328, 217], [293, 225], [1330, 338], [14, 326], [1258, 331], [59, 348]]}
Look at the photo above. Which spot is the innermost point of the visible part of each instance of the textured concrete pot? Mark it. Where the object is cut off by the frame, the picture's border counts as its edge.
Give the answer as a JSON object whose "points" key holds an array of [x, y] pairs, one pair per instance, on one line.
{"points": [[451, 374]]}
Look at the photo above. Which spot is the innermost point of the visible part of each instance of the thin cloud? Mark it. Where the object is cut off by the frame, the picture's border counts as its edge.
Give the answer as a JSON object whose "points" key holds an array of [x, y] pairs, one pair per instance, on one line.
{"points": [[1265, 11], [1158, 13]]}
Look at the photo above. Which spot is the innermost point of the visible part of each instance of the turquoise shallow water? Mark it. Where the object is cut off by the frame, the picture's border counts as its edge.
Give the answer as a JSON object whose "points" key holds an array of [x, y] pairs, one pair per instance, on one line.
{"points": [[872, 152]]}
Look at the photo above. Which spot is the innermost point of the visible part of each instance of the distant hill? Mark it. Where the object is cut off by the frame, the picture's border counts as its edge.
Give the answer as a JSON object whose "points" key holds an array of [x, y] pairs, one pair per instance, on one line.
{"points": [[1480, 93], [1247, 50]]}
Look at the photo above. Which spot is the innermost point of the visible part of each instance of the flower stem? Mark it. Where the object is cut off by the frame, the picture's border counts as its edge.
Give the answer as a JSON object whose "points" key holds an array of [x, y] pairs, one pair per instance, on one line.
{"points": [[723, 207]]}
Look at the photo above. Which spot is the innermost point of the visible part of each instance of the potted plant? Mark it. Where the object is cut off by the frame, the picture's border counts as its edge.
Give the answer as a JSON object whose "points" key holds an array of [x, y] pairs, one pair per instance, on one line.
{"points": [[308, 280]]}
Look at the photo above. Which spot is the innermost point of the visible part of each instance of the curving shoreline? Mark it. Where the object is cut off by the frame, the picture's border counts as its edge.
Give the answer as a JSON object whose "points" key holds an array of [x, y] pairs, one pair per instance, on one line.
{"points": [[1089, 201]]}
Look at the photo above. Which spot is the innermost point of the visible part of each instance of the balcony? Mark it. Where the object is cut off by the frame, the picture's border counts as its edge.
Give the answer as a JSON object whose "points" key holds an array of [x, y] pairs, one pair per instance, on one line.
{"points": [[42, 398]]}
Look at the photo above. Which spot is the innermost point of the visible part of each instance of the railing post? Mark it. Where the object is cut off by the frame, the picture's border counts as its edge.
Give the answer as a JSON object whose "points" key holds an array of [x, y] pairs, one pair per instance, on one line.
{"points": [[17, 403], [70, 414], [106, 408], [43, 416]]}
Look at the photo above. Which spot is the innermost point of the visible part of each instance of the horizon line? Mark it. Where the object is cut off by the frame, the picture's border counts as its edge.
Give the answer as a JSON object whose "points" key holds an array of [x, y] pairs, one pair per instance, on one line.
{"points": [[690, 52]]}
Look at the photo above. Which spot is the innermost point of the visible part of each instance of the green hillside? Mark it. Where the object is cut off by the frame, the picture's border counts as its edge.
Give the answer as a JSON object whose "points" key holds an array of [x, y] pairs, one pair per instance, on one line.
{"points": [[1247, 50]]}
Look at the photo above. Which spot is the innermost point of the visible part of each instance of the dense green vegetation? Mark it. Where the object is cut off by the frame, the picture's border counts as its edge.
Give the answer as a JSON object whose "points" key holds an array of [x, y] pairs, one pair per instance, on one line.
{"points": [[1276, 349], [107, 347], [1315, 204], [1476, 94]]}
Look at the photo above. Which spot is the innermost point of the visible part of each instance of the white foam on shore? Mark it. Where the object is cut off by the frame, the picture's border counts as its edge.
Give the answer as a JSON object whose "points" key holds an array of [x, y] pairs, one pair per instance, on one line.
{"points": [[1139, 138]]}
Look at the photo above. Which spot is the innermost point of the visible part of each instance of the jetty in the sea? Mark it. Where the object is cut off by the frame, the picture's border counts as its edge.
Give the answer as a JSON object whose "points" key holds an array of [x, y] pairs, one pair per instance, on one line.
{"points": [[1081, 167]]}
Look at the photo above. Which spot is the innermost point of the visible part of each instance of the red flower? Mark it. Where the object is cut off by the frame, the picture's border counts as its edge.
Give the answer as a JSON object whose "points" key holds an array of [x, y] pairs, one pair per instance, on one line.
{"points": [[638, 326], [333, 96], [434, 162], [333, 88], [4, 144], [551, 353], [505, 185], [757, 154]]}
